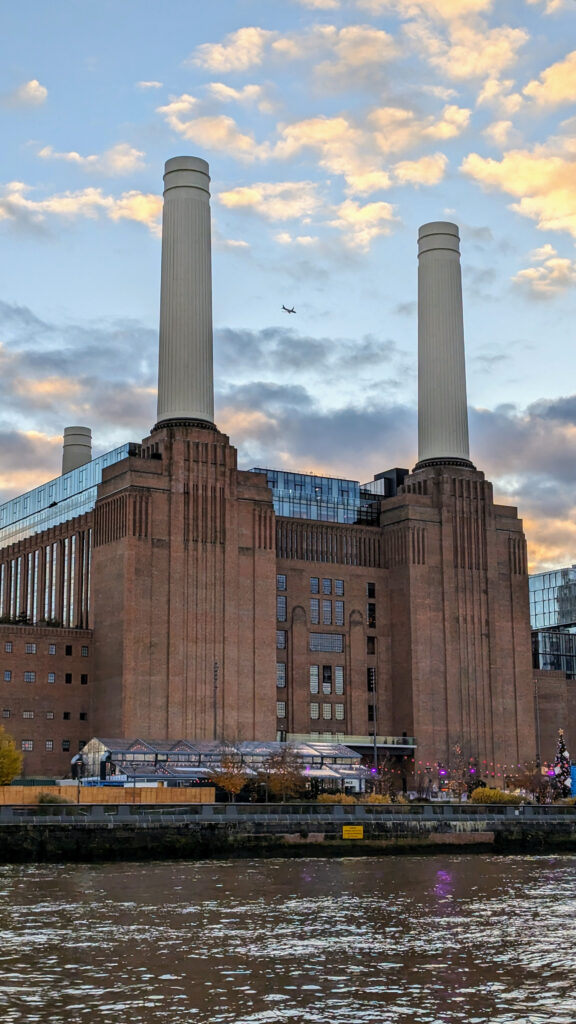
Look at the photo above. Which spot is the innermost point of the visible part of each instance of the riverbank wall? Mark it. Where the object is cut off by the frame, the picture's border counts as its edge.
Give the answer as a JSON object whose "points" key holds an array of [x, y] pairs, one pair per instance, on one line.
{"points": [[90, 833]]}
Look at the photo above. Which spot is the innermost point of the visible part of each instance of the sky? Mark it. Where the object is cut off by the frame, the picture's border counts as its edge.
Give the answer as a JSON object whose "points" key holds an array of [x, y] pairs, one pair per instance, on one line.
{"points": [[333, 130]]}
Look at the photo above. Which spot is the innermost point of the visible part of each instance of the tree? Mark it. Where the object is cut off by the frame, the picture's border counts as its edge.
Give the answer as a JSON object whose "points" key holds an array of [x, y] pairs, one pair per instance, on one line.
{"points": [[232, 776], [283, 774], [10, 758], [562, 767]]}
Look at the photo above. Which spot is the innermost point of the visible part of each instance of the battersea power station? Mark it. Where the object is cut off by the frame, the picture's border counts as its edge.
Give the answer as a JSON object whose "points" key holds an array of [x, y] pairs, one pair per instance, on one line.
{"points": [[160, 592]]}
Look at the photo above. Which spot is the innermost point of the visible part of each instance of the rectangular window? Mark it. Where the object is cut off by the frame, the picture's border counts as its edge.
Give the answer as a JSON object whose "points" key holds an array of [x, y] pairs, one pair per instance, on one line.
{"points": [[281, 582], [83, 716], [27, 745], [29, 677], [339, 712], [51, 677], [327, 642], [370, 712], [326, 678], [66, 716], [339, 679], [8, 647], [7, 675], [30, 648], [326, 613], [314, 585], [314, 712], [314, 678], [370, 590], [281, 607], [68, 650], [326, 586], [339, 587], [6, 713], [27, 714], [51, 648], [84, 652], [370, 645], [370, 679], [281, 639], [280, 673], [65, 745], [68, 678], [338, 613], [371, 616], [83, 680], [49, 714], [280, 709], [314, 611], [326, 712], [49, 744]]}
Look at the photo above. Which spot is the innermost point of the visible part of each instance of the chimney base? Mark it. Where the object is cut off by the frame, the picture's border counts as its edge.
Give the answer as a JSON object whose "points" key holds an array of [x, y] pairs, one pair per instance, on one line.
{"points": [[447, 461], [190, 423]]}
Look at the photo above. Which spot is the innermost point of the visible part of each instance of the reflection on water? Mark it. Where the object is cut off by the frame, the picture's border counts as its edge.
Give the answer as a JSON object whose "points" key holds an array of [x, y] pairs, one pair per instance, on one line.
{"points": [[350, 941]]}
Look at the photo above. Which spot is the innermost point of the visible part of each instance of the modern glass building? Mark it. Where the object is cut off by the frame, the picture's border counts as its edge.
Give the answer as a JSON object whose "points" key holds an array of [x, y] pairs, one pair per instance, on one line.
{"points": [[329, 499], [553, 620]]}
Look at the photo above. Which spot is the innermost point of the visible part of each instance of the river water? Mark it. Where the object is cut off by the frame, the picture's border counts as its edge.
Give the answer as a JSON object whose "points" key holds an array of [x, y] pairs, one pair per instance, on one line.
{"points": [[337, 941]]}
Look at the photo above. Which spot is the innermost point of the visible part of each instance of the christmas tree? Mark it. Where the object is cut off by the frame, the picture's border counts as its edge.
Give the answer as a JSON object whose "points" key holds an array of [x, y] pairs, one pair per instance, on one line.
{"points": [[562, 767]]}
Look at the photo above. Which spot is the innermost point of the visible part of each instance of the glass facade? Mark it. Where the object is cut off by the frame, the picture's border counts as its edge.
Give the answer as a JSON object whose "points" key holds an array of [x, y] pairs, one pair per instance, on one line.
{"points": [[58, 500], [553, 620], [324, 498]]}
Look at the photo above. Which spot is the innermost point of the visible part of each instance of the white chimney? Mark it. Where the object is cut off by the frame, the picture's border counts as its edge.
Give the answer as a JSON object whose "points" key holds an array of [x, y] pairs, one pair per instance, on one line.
{"points": [[77, 448], [185, 372], [442, 407]]}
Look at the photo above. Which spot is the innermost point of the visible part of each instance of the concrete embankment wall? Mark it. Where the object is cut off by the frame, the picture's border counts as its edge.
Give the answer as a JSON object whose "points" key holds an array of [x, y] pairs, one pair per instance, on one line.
{"points": [[101, 833]]}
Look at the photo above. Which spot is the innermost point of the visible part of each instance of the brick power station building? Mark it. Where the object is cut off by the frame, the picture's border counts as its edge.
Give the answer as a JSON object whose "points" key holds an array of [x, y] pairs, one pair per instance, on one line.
{"points": [[160, 592]]}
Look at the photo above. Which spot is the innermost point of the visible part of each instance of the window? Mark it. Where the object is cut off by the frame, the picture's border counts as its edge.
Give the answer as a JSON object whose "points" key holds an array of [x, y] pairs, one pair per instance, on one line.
{"points": [[83, 716], [27, 714], [314, 712], [326, 678], [339, 587], [68, 650], [84, 652], [7, 675], [370, 679], [371, 616], [370, 590], [68, 678], [338, 613], [370, 712], [339, 679], [66, 716], [370, 645], [6, 713], [314, 678], [65, 745], [51, 648], [314, 611], [281, 582], [327, 642], [280, 673], [27, 745], [281, 607], [280, 709], [326, 712], [30, 648], [51, 677], [29, 677], [8, 647], [326, 586], [49, 744], [314, 585], [281, 639], [81, 744], [49, 714], [83, 680], [326, 613], [339, 712]]}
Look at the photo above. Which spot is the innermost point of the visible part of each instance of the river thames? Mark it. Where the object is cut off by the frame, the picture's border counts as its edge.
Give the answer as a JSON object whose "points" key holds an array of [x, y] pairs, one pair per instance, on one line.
{"points": [[332, 941]]}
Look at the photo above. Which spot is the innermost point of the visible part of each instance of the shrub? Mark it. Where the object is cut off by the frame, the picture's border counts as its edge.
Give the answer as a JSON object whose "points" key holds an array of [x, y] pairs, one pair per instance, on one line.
{"points": [[485, 795], [52, 798], [376, 798], [336, 798]]}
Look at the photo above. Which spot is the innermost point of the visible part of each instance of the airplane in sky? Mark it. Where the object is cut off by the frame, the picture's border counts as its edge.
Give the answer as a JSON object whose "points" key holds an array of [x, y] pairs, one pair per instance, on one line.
{"points": [[286, 310]]}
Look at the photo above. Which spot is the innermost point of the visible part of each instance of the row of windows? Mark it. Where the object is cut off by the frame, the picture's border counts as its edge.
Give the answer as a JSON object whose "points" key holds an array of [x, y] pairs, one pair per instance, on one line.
{"points": [[28, 745], [331, 676], [32, 648], [30, 677], [66, 715], [327, 710], [330, 614], [328, 586]]}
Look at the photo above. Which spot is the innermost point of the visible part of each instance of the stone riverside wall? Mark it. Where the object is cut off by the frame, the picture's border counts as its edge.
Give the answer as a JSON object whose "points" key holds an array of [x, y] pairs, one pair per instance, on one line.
{"points": [[88, 834]]}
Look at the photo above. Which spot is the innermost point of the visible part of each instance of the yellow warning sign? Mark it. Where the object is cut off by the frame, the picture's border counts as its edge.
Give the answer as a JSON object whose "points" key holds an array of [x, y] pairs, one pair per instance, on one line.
{"points": [[352, 831]]}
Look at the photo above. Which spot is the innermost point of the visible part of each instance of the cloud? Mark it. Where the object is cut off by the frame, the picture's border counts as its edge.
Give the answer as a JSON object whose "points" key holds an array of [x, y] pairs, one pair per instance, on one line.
{"points": [[149, 85], [16, 207], [30, 94], [119, 160], [357, 49], [282, 200], [240, 51], [397, 129], [362, 224], [284, 238], [557, 83], [554, 275], [442, 10], [428, 170], [498, 93], [470, 51], [249, 94], [551, 6], [499, 133], [320, 5], [218, 132]]}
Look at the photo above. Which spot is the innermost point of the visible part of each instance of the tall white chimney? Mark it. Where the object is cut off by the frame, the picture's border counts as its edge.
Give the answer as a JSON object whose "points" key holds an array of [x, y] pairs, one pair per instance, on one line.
{"points": [[77, 448], [185, 372], [442, 407]]}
